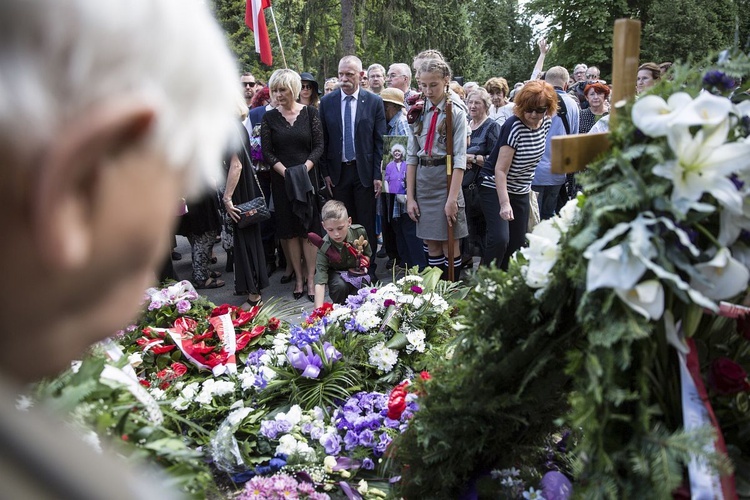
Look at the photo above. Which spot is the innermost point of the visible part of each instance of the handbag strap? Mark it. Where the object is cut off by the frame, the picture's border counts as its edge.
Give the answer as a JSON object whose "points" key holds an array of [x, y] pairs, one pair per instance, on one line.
{"points": [[252, 169]]}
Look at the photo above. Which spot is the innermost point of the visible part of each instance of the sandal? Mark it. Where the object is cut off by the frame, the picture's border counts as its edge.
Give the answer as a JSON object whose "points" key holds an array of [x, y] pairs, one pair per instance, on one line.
{"points": [[210, 283], [215, 274], [252, 303]]}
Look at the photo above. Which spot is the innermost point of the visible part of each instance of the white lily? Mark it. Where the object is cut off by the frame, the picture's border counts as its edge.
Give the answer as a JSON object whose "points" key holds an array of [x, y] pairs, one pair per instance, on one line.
{"points": [[674, 333], [732, 224], [646, 298], [615, 267], [702, 165], [723, 276], [706, 109], [653, 115]]}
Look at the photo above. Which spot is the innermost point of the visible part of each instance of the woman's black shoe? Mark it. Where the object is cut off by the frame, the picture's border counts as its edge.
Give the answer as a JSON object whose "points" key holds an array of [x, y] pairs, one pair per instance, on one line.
{"points": [[287, 279]]}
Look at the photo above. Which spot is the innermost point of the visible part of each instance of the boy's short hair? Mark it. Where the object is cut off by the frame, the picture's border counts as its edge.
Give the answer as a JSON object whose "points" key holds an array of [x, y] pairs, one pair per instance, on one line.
{"points": [[333, 210]]}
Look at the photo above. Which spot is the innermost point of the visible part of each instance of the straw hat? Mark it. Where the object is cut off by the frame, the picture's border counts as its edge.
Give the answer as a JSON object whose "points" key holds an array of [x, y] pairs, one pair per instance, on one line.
{"points": [[392, 95]]}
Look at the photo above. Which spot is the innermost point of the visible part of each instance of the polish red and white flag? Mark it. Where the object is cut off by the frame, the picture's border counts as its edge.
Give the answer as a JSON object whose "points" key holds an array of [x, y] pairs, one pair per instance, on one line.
{"points": [[256, 21]]}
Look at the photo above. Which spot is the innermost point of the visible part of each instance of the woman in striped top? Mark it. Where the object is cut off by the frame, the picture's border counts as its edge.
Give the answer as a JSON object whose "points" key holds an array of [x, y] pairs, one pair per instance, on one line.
{"points": [[509, 170]]}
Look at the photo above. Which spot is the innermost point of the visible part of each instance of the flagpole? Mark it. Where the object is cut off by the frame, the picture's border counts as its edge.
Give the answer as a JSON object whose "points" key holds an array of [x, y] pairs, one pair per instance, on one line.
{"points": [[278, 37]]}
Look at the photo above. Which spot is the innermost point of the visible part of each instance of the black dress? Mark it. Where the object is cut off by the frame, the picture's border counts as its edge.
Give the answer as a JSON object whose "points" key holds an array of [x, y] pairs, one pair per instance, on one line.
{"points": [[250, 275], [292, 145]]}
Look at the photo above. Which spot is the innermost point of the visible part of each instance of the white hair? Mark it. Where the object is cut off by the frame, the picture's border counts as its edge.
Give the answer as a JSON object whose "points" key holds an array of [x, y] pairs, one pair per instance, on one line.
{"points": [[376, 66], [64, 57]]}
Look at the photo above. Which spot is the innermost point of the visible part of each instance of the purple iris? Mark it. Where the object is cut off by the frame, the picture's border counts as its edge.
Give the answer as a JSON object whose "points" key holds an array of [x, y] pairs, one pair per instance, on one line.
{"points": [[253, 359], [305, 361], [368, 464]]}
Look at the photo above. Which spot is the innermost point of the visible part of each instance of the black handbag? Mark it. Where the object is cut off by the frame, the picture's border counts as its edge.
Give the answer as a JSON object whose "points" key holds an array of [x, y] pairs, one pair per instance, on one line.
{"points": [[255, 210]]}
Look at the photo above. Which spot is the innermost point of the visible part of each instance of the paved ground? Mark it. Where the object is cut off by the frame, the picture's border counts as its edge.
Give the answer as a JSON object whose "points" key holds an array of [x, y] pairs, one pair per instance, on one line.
{"points": [[276, 293]]}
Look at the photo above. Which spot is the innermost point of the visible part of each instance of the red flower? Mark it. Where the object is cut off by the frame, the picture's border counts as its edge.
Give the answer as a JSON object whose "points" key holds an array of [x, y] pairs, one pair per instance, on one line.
{"points": [[162, 374], [200, 348], [145, 383], [179, 369], [245, 337], [425, 375], [727, 377], [164, 385], [161, 349], [274, 324], [416, 289], [389, 303], [397, 401], [124, 437], [222, 310], [246, 316]]}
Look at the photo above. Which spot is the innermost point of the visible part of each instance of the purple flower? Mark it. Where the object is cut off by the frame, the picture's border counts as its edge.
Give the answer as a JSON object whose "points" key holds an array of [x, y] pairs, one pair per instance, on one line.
{"points": [[183, 306], [268, 429], [307, 362], [332, 443], [260, 381], [368, 464], [316, 432], [366, 438], [555, 486], [253, 359], [352, 326], [416, 289], [277, 463], [382, 444], [720, 80], [351, 440], [301, 337], [155, 304], [331, 353], [389, 303]]}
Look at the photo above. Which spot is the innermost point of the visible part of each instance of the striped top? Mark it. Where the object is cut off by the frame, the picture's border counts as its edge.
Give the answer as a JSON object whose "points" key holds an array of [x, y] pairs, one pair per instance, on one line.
{"points": [[529, 148]]}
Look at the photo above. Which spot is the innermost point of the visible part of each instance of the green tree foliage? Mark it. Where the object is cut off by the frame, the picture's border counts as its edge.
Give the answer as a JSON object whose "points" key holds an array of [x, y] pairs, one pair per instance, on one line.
{"points": [[701, 27], [482, 38]]}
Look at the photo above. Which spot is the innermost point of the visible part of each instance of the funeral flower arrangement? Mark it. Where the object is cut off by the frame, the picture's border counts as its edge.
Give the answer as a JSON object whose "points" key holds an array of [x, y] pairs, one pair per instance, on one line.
{"points": [[622, 321], [220, 397]]}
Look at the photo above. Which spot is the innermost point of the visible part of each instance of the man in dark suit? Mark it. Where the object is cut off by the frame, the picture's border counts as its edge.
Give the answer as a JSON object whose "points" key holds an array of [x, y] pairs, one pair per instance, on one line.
{"points": [[353, 128]]}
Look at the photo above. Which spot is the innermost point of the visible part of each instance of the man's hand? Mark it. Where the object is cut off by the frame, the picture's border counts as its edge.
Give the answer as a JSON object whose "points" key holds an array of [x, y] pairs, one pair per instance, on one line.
{"points": [[329, 184], [378, 186]]}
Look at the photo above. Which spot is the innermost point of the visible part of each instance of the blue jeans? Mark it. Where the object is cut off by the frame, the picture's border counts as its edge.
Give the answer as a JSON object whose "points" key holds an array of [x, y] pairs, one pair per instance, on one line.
{"points": [[547, 197]]}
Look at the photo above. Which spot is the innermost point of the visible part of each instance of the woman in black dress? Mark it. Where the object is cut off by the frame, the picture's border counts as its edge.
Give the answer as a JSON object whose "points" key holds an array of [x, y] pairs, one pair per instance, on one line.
{"points": [[250, 275], [292, 142]]}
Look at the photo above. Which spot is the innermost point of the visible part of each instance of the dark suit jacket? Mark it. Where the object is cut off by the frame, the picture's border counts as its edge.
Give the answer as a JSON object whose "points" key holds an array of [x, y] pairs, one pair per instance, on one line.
{"points": [[369, 128]]}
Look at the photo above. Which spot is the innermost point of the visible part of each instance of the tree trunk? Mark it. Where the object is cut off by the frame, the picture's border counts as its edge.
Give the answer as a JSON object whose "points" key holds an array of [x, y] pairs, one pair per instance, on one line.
{"points": [[347, 26]]}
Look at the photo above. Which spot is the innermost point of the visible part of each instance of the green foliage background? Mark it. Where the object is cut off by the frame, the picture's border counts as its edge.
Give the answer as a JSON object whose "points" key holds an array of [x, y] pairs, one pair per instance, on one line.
{"points": [[484, 38]]}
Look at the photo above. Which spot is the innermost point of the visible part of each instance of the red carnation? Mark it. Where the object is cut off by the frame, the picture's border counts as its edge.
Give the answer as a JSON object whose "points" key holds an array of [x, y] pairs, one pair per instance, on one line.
{"points": [[145, 383], [389, 303], [274, 324], [727, 377]]}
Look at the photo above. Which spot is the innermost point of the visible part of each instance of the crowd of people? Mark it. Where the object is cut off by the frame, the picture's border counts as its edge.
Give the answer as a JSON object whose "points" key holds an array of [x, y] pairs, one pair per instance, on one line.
{"points": [[306, 146]]}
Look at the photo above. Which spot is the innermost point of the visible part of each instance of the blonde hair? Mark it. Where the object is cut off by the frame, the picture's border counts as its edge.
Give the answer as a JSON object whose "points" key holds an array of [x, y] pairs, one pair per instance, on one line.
{"points": [[288, 79], [482, 94], [333, 210]]}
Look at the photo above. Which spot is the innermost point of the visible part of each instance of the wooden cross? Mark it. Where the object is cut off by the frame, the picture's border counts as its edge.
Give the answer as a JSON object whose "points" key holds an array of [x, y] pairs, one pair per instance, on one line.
{"points": [[572, 153]]}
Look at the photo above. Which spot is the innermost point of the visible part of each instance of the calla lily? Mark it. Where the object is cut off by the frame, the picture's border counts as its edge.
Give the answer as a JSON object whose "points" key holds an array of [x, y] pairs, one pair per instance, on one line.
{"points": [[723, 276], [653, 115], [615, 267], [674, 334], [702, 165], [645, 298], [706, 109]]}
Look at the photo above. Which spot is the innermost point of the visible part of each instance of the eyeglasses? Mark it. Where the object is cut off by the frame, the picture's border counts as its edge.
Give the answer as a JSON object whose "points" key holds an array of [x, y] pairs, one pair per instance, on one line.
{"points": [[591, 76], [579, 72], [248, 84], [307, 86], [392, 75], [539, 111]]}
